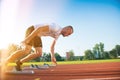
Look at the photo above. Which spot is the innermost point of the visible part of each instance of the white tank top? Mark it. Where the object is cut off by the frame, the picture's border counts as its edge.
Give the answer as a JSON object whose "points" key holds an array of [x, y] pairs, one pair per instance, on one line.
{"points": [[54, 30]]}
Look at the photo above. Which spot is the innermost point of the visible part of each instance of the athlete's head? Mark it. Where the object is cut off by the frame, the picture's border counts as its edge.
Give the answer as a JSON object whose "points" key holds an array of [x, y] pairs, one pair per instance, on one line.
{"points": [[66, 31]]}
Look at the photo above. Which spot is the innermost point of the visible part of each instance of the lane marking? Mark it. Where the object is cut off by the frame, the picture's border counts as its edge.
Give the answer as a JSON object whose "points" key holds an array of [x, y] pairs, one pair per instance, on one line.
{"points": [[109, 78]]}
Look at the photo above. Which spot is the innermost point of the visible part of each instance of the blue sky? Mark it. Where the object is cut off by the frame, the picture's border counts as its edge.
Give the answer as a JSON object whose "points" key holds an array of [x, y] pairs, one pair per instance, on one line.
{"points": [[93, 21]]}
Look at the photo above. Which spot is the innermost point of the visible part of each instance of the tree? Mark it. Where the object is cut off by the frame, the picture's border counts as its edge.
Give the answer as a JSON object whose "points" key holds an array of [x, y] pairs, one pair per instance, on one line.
{"points": [[98, 50], [95, 52], [81, 58], [101, 47], [58, 57], [71, 55], [106, 55], [36, 59], [89, 55], [113, 53], [117, 47], [46, 57]]}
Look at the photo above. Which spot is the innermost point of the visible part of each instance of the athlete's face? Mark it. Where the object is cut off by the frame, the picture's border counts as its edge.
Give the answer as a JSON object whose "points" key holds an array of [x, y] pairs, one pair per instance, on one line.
{"points": [[67, 32]]}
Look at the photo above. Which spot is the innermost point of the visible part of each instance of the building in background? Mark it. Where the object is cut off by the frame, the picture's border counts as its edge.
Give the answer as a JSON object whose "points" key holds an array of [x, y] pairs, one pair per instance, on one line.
{"points": [[67, 55]]}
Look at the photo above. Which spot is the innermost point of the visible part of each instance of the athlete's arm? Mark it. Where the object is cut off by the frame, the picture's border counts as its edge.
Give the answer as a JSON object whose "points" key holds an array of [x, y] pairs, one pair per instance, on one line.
{"points": [[53, 59]]}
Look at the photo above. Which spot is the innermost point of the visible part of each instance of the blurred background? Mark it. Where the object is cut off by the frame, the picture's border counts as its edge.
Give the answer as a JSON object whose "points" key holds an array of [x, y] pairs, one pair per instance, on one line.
{"points": [[96, 24]]}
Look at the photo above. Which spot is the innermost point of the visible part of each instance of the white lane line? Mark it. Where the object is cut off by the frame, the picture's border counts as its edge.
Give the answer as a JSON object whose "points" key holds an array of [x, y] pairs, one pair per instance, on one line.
{"points": [[109, 78]]}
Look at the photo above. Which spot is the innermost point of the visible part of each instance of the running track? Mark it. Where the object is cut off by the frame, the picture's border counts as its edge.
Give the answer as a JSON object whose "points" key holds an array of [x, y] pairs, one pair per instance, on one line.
{"points": [[99, 71]]}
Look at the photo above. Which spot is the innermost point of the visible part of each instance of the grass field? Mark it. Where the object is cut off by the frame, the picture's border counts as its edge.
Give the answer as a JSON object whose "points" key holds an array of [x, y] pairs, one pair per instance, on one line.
{"points": [[71, 62]]}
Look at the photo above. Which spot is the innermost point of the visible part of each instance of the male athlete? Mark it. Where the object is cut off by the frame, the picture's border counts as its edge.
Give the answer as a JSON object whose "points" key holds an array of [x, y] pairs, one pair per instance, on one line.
{"points": [[33, 39]]}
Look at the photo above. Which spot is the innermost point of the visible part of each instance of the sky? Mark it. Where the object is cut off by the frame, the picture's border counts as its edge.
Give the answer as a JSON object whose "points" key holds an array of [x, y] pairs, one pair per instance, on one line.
{"points": [[93, 21]]}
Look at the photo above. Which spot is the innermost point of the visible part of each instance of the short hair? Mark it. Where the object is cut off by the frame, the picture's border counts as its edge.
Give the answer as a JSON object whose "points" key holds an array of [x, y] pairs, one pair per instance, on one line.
{"points": [[69, 26]]}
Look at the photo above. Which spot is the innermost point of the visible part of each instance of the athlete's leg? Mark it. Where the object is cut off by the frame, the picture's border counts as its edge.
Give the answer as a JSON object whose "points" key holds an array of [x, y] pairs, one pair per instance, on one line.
{"points": [[53, 59], [37, 44], [19, 53], [16, 55], [34, 33], [37, 53]]}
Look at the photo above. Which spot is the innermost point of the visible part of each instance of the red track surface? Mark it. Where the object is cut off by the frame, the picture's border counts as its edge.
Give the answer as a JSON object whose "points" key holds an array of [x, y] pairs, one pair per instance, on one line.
{"points": [[101, 71]]}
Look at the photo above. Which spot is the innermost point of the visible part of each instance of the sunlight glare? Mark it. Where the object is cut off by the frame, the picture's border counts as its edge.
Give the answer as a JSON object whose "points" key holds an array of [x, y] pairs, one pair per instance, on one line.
{"points": [[8, 21]]}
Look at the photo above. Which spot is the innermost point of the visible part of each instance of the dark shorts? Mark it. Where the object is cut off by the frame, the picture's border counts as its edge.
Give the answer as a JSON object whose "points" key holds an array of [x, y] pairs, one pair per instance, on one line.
{"points": [[36, 41]]}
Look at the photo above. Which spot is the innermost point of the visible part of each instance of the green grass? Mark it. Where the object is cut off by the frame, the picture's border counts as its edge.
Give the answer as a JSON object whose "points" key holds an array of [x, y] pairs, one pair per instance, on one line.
{"points": [[90, 61], [72, 62]]}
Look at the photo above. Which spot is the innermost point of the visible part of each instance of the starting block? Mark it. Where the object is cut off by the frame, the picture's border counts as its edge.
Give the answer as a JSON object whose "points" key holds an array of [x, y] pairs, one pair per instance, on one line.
{"points": [[39, 66], [42, 66], [12, 70]]}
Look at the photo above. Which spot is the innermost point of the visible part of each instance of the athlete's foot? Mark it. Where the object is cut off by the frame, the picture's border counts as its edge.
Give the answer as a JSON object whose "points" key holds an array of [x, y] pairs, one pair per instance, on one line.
{"points": [[18, 65]]}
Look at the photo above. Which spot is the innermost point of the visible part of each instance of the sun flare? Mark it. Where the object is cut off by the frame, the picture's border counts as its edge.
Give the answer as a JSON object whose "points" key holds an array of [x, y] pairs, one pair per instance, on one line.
{"points": [[8, 21]]}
